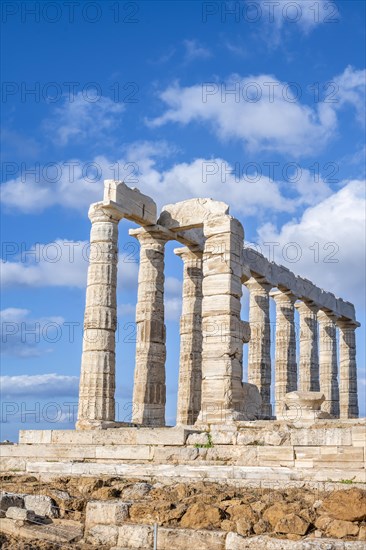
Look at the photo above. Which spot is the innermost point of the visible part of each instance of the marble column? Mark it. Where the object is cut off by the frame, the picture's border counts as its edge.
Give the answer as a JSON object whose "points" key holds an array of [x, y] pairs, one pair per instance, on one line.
{"points": [[259, 352], [222, 328], [309, 359], [149, 394], [97, 380], [190, 362], [328, 365], [348, 401], [285, 355]]}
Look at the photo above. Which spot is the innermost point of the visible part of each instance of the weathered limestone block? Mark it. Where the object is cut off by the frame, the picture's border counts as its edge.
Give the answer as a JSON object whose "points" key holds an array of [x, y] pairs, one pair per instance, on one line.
{"points": [[124, 452], [20, 514], [359, 436], [285, 358], [191, 213], [309, 362], [190, 364], [102, 535], [175, 455], [321, 436], [328, 365], [149, 395], [135, 536], [35, 436], [229, 454], [348, 400], [276, 456], [132, 203], [259, 351], [110, 512], [97, 380], [182, 539], [41, 505]]}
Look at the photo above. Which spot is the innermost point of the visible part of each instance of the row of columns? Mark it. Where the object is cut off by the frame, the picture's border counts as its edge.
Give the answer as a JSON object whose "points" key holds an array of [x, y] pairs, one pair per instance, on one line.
{"points": [[211, 331], [318, 365]]}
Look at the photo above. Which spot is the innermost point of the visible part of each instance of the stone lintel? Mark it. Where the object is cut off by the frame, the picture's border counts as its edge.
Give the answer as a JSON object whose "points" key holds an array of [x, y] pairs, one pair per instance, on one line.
{"points": [[188, 251], [343, 322], [133, 204], [191, 213], [280, 276], [191, 238], [303, 306], [283, 294]]}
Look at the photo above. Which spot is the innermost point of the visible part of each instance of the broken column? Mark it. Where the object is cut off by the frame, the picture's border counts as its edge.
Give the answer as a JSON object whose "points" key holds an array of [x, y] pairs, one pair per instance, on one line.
{"points": [[190, 363], [149, 394], [348, 401], [285, 356], [259, 352], [222, 369], [309, 360], [97, 380], [328, 366]]}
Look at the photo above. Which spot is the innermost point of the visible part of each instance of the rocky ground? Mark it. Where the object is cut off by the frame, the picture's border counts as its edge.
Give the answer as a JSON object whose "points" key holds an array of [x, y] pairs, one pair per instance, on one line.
{"points": [[292, 513]]}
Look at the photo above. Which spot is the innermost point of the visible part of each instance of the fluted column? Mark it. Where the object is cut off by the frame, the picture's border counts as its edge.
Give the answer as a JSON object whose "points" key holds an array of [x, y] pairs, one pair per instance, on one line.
{"points": [[149, 394], [97, 380], [309, 359], [328, 365], [285, 356], [222, 328], [259, 352], [190, 363], [348, 401]]}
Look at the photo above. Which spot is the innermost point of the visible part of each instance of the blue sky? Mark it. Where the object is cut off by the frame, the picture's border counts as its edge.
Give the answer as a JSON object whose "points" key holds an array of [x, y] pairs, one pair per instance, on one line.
{"points": [[259, 104]]}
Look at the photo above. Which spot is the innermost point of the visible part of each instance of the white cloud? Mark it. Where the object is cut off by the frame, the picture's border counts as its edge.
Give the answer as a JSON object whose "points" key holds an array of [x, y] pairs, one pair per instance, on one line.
{"points": [[195, 50], [60, 263], [202, 177], [263, 113], [282, 15], [42, 385], [329, 243], [83, 116], [22, 336]]}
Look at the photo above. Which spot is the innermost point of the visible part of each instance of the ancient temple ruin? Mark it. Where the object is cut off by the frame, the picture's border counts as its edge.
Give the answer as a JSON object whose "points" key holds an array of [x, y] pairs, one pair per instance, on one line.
{"points": [[216, 265]]}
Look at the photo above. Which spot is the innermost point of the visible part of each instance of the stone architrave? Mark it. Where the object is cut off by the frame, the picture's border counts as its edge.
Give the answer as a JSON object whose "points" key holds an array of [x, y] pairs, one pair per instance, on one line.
{"points": [[285, 355], [190, 364], [149, 394], [309, 358], [328, 365], [348, 400], [97, 380], [259, 352]]}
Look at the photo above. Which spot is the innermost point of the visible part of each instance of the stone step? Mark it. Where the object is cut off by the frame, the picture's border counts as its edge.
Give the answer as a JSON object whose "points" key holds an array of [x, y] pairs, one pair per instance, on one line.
{"points": [[116, 436], [223, 474], [238, 455]]}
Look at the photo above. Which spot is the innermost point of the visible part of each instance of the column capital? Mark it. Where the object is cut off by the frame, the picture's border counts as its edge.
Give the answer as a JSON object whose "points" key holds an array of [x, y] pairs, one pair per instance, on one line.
{"points": [[100, 212], [327, 315], [283, 296], [306, 306], [150, 234], [258, 283], [343, 323], [189, 253]]}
